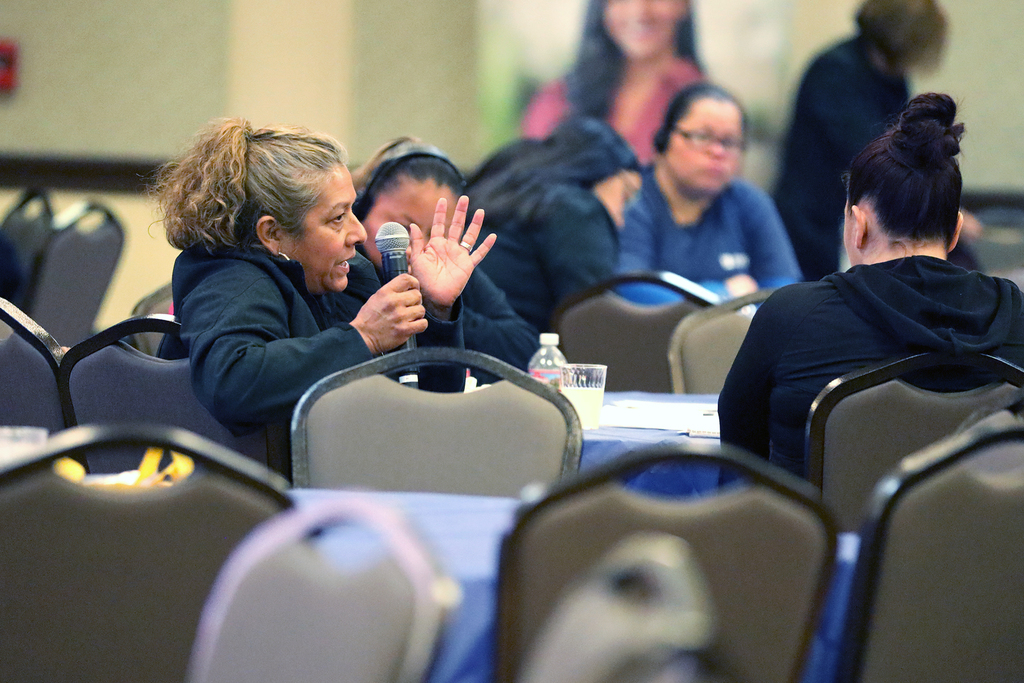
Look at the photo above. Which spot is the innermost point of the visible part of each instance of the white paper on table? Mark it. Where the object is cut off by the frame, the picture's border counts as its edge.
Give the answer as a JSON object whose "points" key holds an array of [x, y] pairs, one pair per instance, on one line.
{"points": [[693, 419]]}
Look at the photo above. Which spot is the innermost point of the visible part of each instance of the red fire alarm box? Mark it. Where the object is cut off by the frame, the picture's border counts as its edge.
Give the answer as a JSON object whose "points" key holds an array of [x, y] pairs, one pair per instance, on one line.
{"points": [[8, 65]]}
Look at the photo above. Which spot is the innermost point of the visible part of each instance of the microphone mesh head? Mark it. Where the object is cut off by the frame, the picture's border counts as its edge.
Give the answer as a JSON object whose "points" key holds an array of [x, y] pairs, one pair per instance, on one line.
{"points": [[391, 237]]}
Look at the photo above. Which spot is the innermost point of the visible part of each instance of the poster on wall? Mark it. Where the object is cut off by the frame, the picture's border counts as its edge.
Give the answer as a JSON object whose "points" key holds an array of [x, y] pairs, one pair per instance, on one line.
{"points": [[741, 44]]}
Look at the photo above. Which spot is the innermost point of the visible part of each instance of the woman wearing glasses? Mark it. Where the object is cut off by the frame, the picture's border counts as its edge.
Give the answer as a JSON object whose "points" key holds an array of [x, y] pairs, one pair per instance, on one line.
{"points": [[693, 216]]}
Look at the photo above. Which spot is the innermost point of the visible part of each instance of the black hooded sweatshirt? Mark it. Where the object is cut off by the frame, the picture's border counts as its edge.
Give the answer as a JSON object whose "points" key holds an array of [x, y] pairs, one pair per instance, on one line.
{"points": [[807, 334]]}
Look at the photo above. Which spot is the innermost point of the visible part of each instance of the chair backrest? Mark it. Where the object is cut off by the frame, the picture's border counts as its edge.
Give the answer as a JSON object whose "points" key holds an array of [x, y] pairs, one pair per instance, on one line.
{"points": [[766, 547], [76, 270], [863, 423], [359, 428], [29, 358], [937, 592], [598, 325], [104, 381], [29, 226], [282, 610], [155, 303], [704, 344], [643, 606], [107, 585]]}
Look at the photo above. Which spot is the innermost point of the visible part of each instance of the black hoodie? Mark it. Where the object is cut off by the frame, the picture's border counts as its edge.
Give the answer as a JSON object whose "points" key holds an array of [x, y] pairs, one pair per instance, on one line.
{"points": [[808, 334], [257, 339]]}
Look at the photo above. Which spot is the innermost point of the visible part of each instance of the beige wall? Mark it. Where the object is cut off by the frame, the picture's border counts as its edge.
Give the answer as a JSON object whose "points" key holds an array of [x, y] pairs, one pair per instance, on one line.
{"points": [[415, 73], [981, 71], [112, 78]]}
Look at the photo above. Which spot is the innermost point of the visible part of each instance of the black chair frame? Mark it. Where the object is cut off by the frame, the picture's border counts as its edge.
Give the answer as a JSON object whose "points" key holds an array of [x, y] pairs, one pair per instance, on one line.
{"points": [[434, 355], [888, 494], [33, 333], [882, 372], [756, 470], [163, 324]]}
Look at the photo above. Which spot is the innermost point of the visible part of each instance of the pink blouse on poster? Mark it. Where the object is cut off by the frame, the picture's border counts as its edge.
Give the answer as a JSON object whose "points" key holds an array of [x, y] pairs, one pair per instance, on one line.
{"points": [[550, 105]]}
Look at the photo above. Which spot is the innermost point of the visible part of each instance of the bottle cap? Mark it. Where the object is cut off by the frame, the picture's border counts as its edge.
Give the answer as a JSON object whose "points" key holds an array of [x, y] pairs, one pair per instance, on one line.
{"points": [[549, 339]]}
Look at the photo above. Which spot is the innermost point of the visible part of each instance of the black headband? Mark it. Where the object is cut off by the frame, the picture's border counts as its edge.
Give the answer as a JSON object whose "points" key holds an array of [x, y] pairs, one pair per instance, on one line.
{"points": [[395, 156]]}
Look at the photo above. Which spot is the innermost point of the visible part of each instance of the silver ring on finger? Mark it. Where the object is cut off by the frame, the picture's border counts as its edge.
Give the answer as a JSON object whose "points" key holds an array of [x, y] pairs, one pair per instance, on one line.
{"points": [[466, 245]]}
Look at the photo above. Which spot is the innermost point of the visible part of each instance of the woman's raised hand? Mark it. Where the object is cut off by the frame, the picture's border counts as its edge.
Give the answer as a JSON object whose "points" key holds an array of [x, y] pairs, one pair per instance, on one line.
{"points": [[443, 259]]}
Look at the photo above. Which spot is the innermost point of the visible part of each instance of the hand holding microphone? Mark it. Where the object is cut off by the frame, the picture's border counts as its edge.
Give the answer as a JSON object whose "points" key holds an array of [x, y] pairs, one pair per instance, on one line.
{"points": [[392, 242], [395, 312]]}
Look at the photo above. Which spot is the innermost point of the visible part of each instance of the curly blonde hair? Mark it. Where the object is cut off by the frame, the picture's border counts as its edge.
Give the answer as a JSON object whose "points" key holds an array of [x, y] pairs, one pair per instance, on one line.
{"points": [[233, 174]]}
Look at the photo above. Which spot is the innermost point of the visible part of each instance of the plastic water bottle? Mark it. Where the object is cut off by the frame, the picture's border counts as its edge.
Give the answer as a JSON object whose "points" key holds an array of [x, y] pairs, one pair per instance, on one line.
{"points": [[546, 364]]}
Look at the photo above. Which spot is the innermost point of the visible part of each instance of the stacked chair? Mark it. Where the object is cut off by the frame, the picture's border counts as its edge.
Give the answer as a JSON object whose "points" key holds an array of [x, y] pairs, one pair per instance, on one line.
{"points": [[108, 585], [29, 227], [70, 260], [599, 325], [764, 543]]}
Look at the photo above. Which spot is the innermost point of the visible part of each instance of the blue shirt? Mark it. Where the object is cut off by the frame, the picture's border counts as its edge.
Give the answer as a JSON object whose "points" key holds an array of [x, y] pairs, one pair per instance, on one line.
{"points": [[739, 233]]}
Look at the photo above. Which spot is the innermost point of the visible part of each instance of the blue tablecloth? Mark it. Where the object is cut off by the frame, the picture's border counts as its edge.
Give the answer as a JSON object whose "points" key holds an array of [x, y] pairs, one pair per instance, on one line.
{"points": [[465, 532], [604, 444]]}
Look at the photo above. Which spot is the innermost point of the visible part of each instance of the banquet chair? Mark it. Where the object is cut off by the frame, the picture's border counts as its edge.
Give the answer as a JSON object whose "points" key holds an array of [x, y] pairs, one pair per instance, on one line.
{"points": [[704, 344], [357, 427], [936, 594], [283, 610], [104, 584], [29, 226], [640, 610], [103, 380], [29, 358], [75, 271], [155, 303], [764, 542], [864, 422], [598, 325]]}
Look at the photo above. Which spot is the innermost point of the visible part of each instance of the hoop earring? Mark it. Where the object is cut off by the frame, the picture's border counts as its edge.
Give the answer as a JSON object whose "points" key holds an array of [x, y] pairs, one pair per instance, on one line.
{"points": [[283, 255]]}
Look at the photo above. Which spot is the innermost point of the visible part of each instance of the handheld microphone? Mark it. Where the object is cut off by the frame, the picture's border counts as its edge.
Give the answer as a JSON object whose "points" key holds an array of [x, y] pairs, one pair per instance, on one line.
{"points": [[392, 240]]}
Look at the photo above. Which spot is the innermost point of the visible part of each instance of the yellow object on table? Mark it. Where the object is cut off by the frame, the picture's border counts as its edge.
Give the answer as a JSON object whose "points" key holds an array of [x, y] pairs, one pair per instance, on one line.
{"points": [[149, 473]]}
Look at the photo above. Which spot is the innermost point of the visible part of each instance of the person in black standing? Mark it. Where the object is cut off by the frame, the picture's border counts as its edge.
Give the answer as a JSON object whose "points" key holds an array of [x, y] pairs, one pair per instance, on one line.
{"points": [[847, 96]]}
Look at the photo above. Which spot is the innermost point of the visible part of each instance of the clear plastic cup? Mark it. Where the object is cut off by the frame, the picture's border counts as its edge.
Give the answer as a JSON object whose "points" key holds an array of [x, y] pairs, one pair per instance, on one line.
{"points": [[583, 385]]}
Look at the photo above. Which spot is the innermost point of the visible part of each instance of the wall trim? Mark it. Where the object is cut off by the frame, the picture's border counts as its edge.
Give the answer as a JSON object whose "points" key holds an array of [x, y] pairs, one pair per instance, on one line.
{"points": [[94, 174]]}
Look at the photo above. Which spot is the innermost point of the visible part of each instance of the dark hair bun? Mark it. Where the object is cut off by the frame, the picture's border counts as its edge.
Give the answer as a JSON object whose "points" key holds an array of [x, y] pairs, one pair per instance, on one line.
{"points": [[926, 134]]}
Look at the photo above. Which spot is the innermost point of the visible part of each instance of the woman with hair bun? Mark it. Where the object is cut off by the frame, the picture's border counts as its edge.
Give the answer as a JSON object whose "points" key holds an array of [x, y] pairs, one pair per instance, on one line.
{"points": [[271, 293], [901, 295]]}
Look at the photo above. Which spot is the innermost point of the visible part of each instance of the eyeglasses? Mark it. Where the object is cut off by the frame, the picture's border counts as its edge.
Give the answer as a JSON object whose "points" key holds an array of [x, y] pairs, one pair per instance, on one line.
{"points": [[705, 141]]}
